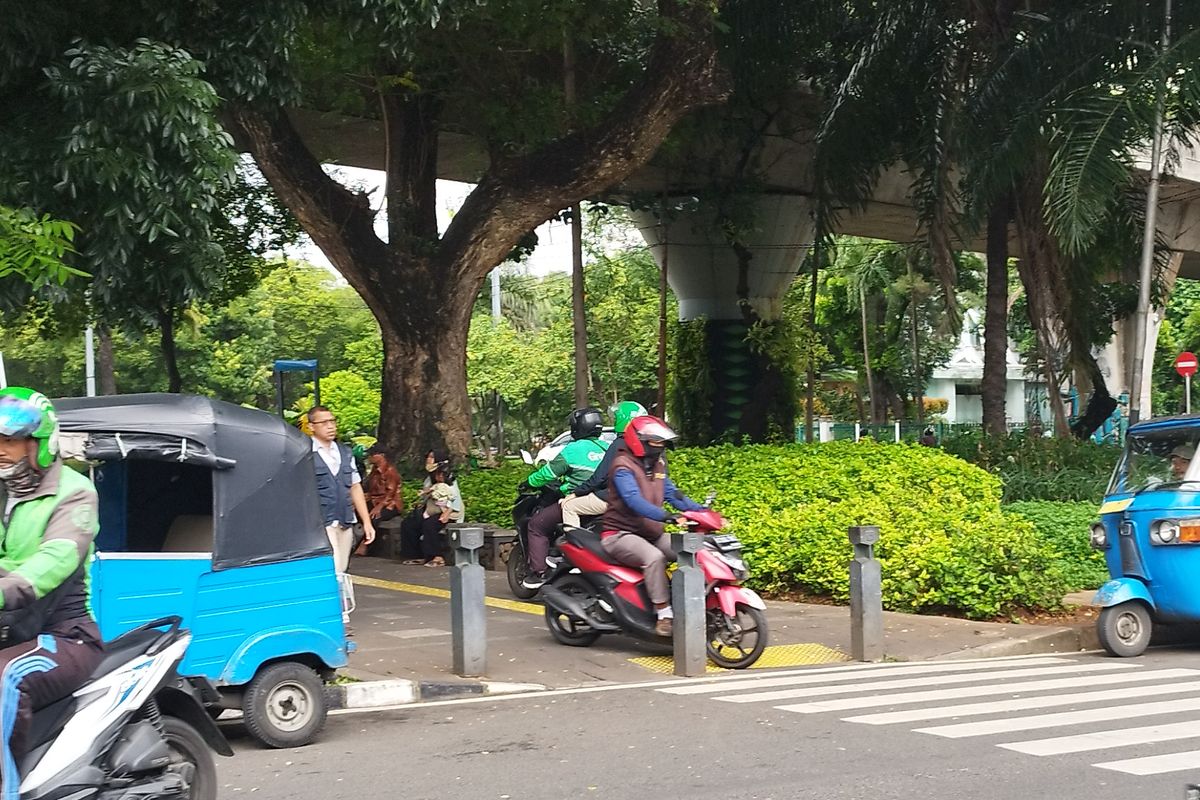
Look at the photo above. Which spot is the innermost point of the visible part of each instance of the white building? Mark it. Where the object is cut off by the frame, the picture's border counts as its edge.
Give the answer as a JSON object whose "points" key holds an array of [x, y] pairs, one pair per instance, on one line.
{"points": [[958, 382]]}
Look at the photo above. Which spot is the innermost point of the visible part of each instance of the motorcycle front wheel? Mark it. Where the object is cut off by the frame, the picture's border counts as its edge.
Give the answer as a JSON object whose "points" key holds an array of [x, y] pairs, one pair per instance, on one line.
{"points": [[736, 642], [518, 568], [191, 758]]}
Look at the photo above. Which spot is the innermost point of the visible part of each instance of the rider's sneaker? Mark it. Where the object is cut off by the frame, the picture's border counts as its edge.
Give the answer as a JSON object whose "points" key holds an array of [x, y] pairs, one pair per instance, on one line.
{"points": [[664, 627], [552, 562], [534, 580]]}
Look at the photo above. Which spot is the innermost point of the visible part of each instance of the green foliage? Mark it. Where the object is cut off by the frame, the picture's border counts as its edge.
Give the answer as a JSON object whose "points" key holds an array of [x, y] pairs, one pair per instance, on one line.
{"points": [[352, 401], [945, 545], [1039, 467], [34, 247], [1065, 527], [488, 494]]}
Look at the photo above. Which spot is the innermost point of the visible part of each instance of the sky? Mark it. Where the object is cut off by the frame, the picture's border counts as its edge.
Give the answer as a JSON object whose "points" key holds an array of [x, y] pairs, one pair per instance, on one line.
{"points": [[553, 253]]}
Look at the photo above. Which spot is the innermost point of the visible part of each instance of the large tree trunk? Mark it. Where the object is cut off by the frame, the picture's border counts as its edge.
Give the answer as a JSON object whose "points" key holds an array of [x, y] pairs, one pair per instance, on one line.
{"points": [[421, 286], [166, 328], [994, 386], [106, 365]]}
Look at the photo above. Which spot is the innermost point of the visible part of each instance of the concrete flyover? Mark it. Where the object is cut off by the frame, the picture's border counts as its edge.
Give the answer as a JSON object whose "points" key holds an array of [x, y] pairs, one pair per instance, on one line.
{"points": [[703, 270]]}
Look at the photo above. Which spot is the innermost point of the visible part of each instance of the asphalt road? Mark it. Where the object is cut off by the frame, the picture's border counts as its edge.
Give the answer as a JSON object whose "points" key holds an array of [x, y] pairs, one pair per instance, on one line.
{"points": [[935, 730]]}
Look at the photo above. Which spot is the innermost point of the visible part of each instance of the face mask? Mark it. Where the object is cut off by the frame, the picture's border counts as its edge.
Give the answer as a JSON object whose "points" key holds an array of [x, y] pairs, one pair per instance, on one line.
{"points": [[653, 452], [20, 478]]}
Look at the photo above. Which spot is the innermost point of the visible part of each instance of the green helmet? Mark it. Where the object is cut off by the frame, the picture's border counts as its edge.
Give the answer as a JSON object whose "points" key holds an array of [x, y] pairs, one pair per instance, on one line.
{"points": [[24, 412], [625, 411]]}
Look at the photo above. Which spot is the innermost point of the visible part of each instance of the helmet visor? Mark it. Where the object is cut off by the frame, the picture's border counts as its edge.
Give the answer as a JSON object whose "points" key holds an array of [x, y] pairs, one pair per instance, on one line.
{"points": [[655, 431], [18, 418]]}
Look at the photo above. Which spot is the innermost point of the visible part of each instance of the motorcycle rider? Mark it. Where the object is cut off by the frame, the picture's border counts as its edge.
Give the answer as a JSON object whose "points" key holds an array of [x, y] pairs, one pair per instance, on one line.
{"points": [[633, 523], [50, 642], [591, 497], [574, 463]]}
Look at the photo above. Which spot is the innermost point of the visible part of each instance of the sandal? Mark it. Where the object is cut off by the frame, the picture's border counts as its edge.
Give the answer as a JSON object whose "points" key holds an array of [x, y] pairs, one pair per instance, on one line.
{"points": [[436, 561], [413, 561]]}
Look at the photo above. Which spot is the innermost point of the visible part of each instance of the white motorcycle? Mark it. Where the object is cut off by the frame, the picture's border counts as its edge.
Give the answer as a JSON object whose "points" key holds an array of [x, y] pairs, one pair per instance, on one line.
{"points": [[134, 731]]}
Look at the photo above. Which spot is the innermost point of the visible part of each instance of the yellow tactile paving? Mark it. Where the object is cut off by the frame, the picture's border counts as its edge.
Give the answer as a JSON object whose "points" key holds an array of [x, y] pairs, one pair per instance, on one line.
{"points": [[780, 655], [429, 591]]}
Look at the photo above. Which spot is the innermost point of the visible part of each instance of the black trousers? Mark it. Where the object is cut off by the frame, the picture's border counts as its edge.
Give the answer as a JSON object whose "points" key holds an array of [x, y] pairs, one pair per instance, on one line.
{"points": [[35, 674], [410, 535], [431, 537]]}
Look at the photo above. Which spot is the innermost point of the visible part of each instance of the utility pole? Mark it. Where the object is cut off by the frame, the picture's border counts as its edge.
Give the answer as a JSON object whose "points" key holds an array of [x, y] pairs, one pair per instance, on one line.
{"points": [[578, 312], [1142, 319], [89, 361], [496, 296]]}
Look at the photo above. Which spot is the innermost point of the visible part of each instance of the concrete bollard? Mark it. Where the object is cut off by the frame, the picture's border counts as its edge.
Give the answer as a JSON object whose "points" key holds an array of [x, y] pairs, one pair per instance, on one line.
{"points": [[866, 596], [468, 615], [687, 600]]}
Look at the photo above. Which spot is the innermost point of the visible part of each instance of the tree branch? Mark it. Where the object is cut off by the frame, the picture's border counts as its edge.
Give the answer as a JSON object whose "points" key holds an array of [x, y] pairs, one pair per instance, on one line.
{"points": [[516, 196], [339, 221]]}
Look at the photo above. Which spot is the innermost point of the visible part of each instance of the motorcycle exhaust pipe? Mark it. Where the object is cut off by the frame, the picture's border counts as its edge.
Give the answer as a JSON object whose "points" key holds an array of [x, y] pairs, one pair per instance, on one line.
{"points": [[564, 603]]}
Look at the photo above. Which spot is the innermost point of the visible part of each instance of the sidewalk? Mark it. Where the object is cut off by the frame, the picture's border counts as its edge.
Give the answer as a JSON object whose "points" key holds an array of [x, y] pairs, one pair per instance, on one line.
{"points": [[402, 631]]}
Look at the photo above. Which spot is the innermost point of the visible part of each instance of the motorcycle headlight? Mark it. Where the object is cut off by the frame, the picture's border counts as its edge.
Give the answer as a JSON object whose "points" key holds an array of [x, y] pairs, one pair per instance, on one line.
{"points": [[1099, 536], [1165, 531]]}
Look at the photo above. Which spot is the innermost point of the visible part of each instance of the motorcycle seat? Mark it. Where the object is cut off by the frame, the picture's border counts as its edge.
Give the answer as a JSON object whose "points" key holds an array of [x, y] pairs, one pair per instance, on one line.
{"points": [[589, 540], [122, 649]]}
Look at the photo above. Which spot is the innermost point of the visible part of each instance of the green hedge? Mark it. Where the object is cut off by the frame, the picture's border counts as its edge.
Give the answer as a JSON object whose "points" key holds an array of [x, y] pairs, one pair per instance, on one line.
{"points": [[945, 543], [1039, 467], [1064, 526]]}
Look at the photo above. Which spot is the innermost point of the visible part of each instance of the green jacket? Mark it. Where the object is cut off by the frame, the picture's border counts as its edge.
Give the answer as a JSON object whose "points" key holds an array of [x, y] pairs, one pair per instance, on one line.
{"points": [[573, 465], [46, 539]]}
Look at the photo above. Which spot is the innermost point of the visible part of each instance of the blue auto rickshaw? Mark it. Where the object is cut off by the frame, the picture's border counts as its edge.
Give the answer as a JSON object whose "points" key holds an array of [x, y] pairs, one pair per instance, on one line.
{"points": [[209, 511], [1149, 531]]}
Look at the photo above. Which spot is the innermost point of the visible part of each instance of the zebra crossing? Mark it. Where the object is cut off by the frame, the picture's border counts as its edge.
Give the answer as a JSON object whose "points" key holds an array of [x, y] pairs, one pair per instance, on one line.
{"points": [[1040, 706]]}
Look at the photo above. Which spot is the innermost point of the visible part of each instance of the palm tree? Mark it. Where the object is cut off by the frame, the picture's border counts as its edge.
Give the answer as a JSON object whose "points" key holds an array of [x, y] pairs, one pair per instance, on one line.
{"points": [[867, 272]]}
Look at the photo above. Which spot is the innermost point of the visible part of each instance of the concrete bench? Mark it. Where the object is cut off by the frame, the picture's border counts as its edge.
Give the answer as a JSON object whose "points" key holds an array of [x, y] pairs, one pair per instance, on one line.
{"points": [[497, 543]]}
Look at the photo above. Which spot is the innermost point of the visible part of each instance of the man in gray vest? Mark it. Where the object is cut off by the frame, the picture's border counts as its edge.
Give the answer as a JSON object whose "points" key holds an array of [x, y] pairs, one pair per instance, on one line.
{"points": [[339, 487]]}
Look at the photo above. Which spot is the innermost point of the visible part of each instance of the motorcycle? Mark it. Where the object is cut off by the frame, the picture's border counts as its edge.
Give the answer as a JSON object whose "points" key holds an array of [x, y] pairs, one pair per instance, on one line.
{"points": [[134, 731], [599, 595], [528, 503]]}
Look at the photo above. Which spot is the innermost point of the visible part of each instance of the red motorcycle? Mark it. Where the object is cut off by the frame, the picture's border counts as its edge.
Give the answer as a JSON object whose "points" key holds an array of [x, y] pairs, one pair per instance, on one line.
{"points": [[599, 595]]}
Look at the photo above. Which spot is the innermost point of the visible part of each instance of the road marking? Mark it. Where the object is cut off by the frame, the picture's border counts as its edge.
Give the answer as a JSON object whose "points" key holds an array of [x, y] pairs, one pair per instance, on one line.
{"points": [[776, 655], [868, 670], [1153, 765], [1021, 704], [1064, 718], [429, 591], [939, 680], [981, 691], [417, 633], [1102, 740]]}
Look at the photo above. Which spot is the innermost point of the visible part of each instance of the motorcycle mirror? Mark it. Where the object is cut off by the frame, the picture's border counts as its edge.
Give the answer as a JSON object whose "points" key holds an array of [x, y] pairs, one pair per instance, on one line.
{"points": [[526, 457]]}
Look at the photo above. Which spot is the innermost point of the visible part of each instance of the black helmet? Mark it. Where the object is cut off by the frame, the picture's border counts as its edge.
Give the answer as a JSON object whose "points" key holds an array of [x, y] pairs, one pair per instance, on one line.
{"points": [[586, 423]]}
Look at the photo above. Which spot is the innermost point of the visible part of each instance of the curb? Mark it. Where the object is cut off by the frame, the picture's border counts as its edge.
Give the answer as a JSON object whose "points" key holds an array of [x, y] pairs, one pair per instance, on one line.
{"points": [[1056, 640], [401, 691]]}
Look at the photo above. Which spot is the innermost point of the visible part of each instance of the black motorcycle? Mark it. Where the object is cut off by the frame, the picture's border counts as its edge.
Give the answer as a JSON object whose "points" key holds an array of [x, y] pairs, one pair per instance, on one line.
{"points": [[528, 503]]}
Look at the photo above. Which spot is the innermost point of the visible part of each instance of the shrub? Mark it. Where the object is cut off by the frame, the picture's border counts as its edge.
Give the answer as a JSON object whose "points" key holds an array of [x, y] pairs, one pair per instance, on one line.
{"points": [[1039, 467], [488, 494], [1064, 526], [944, 542]]}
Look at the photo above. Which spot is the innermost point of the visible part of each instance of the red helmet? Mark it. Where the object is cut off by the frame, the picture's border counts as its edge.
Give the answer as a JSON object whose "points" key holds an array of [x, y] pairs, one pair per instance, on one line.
{"points": [[643, 430]]}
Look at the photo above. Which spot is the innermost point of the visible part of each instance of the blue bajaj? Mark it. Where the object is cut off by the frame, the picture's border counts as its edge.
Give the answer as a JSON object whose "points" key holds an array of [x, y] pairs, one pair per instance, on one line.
{"points": [[209, 512], [1149, 532]]}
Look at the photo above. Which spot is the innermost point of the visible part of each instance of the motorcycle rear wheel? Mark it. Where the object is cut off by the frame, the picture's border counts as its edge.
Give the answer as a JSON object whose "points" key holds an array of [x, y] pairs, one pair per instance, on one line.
{"points": [[518, 568], [729, 649], [565, 629], [191, 754]]}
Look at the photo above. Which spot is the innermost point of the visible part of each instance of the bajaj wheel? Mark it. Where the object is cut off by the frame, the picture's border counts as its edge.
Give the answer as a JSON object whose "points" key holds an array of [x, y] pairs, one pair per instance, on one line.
{"points": [[736, 642], [284, 706], [518, 568], [191, 759], [1124, 629], [566, 629]]}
